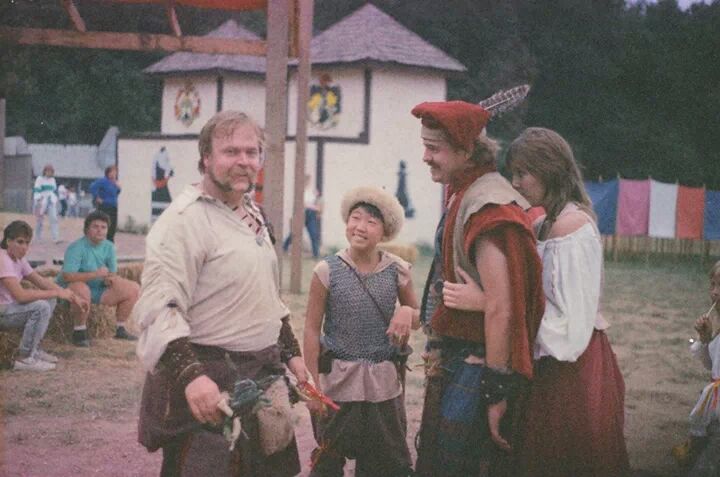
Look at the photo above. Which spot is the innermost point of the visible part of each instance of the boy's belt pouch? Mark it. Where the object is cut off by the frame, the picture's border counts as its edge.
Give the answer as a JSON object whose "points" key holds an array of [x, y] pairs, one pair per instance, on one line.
{"points": [[325, 359]]}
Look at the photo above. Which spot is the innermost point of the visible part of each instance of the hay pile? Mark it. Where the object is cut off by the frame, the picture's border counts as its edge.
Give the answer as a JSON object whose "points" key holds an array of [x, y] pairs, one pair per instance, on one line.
{"points": [[406, 251], [9, 342]]}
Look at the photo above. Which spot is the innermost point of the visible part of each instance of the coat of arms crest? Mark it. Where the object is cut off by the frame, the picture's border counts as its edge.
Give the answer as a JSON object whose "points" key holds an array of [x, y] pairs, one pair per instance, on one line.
{"points": [[187, 104], [324, 105]]}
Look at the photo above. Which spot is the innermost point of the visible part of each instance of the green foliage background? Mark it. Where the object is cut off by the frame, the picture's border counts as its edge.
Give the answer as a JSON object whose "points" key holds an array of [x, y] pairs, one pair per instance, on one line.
{"points": [[634, 88]]}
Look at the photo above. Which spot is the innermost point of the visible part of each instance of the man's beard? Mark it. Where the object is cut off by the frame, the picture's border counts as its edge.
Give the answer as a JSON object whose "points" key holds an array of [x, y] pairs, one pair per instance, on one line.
{"points": [[226, 187]]}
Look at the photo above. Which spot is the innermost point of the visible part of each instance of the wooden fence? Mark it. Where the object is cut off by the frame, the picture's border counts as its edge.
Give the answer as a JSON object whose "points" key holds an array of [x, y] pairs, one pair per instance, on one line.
{"points": [[617, 247]]}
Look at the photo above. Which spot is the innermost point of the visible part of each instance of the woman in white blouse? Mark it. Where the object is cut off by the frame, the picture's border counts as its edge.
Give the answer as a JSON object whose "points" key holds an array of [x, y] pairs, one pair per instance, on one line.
{"points": [[576, 404], [575, 410]]}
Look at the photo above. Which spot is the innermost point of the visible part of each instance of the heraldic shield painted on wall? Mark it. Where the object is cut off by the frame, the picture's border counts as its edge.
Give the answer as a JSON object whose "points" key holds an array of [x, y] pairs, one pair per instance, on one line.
{"points": [[187, 104], [324, 106]]}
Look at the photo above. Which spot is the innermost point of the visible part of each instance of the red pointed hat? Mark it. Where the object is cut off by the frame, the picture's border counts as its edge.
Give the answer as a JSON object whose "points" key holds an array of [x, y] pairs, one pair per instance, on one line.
{"points": [[462, 121]]}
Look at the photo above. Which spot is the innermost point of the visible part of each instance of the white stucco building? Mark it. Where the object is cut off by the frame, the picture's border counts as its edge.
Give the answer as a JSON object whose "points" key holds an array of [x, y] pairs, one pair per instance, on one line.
{"points": [[368, 71]]}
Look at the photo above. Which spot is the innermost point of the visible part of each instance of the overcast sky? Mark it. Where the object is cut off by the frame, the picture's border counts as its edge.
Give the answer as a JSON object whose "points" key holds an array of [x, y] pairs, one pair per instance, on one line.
{"points": [[686, 3]]}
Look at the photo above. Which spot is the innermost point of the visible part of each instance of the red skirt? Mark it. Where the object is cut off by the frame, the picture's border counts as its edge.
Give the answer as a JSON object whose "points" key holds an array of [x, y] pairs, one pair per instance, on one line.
{"points": [[575, 416]]}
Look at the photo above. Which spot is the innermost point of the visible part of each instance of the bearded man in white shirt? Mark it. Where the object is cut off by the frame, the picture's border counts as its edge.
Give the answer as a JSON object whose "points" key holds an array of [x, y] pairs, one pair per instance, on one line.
{"points": [[210, 313]]}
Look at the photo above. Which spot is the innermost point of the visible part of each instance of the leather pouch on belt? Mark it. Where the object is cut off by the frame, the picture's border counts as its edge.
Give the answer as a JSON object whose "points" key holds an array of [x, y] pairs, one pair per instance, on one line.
{"points": [[276, 420]]}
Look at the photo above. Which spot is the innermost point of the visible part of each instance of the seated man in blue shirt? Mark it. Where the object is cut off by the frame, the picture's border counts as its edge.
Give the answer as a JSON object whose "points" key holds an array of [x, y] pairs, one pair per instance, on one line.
{"points": [[90, 270]]}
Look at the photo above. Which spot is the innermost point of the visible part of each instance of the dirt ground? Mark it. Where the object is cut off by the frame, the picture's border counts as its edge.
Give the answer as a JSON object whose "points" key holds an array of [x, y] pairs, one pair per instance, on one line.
{"points": [[81, 419]]}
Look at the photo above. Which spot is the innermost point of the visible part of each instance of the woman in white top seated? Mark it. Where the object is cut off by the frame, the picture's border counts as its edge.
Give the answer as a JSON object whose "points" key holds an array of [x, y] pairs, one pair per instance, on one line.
{"points": [[576, 404]]}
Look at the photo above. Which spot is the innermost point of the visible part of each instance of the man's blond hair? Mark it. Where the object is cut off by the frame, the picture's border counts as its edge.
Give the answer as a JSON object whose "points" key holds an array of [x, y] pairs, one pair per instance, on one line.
{"points": [[223, 124]]}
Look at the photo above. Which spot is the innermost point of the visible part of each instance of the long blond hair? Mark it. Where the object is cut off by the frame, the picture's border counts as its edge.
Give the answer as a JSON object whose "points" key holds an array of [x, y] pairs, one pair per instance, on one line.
{"points": [[544, 154]]}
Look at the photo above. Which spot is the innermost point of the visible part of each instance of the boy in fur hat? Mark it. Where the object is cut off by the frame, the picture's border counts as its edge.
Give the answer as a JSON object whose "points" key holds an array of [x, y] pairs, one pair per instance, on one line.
{"points": [[475, 360], [353, 297]]}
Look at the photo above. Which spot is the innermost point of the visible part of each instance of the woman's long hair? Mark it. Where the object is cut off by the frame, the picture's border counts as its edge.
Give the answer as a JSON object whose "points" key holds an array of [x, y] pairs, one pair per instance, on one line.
{"points": [[16, 229], [544, 154]]}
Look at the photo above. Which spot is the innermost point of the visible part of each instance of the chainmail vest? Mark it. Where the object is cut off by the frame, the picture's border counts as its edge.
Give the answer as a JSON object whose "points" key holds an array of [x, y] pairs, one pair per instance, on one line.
{"points": [[354, 328]]}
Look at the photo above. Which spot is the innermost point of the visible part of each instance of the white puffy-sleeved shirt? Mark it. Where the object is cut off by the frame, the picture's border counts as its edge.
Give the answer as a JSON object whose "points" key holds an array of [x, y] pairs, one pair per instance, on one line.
{"points": [[222, 278], [708, 404], [572, 280]]}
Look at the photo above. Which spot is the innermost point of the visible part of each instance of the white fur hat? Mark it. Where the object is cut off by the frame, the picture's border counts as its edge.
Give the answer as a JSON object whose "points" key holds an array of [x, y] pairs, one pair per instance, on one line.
{"points": [[391, 210]]}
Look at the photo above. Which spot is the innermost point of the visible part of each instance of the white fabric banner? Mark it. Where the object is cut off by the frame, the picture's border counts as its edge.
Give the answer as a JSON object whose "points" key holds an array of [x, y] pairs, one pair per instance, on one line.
{"points": [[663, 203]]}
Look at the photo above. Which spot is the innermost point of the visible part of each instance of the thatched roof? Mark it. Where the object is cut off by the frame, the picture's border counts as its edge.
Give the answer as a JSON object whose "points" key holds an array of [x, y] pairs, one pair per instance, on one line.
{"points": [[367, 35], [184, 62]]}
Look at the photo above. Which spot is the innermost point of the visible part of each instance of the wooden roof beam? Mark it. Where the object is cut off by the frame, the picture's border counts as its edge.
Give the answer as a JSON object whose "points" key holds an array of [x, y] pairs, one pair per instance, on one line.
{"points": [[228, 5], [132, 41], [74, 15], [172, 18]]}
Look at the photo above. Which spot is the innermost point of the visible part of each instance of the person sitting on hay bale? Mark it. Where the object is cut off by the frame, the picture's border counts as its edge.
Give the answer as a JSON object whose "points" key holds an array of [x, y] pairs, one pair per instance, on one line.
{"points": [[90, 270], [23, 308]]}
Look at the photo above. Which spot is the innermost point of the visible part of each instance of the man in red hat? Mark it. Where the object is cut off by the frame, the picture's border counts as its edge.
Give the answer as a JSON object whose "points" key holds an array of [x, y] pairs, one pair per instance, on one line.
{"points": [[483, 301]]}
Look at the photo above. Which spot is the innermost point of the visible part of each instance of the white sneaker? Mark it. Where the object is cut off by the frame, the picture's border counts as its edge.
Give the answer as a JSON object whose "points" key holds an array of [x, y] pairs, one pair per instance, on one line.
{"points": [[45, 356], [33, 364]]}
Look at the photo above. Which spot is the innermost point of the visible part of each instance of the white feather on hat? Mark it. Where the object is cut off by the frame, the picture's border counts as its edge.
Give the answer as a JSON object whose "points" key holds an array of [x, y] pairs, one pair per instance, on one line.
{"points": [[392, 212]]}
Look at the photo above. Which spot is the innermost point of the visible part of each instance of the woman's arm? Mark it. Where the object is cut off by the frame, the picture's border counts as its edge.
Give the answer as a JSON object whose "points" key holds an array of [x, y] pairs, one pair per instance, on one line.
{"points": [[568, 223], [313, 322], [466, 296], [36, 185]]}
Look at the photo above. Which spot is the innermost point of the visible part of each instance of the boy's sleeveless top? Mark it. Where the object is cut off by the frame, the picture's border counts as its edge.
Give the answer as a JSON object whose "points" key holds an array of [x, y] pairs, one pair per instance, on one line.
{"points": [[354, 328]]}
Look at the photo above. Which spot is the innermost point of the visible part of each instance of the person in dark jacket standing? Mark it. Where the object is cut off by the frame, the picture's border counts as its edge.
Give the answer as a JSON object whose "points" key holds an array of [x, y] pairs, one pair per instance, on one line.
{"points": [[105, 193]]}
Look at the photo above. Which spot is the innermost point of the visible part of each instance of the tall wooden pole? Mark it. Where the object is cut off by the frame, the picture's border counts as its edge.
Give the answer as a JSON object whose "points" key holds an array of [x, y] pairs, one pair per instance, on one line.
{"points": [[305, 18], [276, 114]]}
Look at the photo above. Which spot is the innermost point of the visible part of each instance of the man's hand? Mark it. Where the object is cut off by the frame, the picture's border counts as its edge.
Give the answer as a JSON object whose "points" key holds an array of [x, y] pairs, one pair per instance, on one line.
{"points": [[80, 302], [495, 414], [66, 294], [296, 365], [203, 396], [110, 280], [102, 272], [72, 297]]}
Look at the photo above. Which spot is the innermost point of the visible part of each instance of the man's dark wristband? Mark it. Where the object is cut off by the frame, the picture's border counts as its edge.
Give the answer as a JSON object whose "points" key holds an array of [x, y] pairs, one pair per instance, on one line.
{"points": [[496, 386], [181, 362]]}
